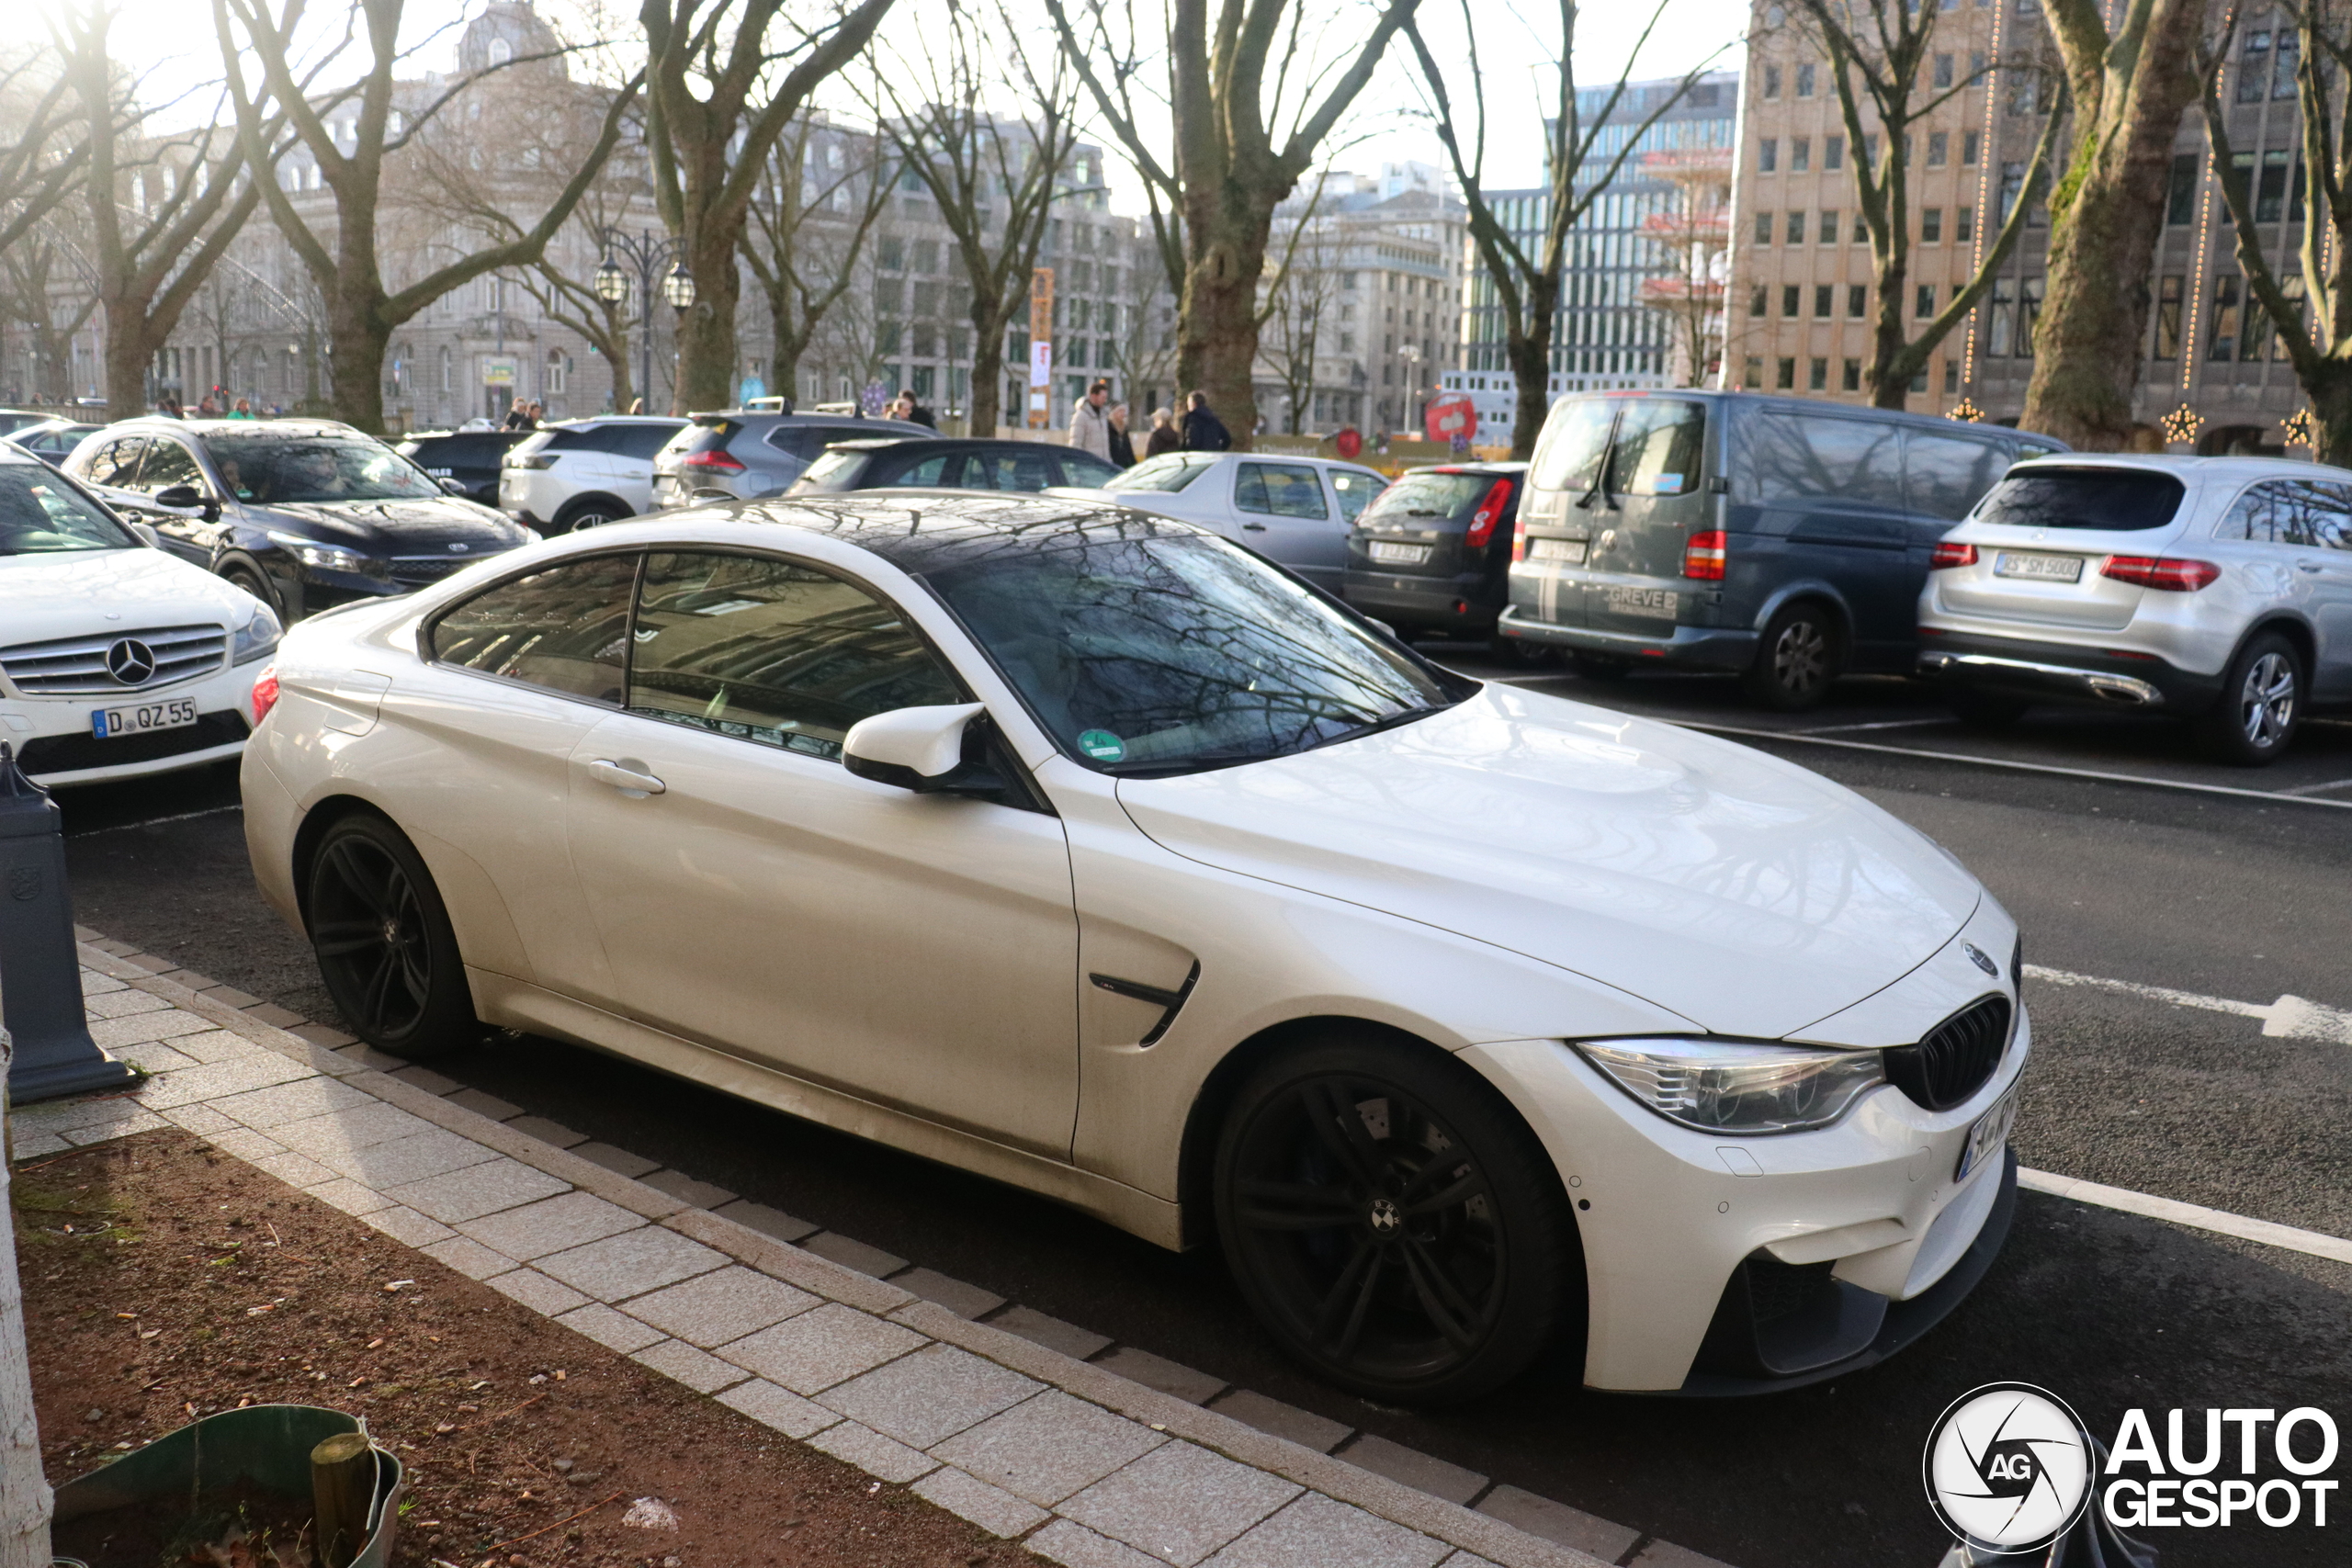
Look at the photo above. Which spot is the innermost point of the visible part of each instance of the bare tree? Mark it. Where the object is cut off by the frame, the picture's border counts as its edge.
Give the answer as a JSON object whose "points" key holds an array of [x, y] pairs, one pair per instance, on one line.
{"points": [[710, 143], [994, 179], [1697, 231], [1253, 96], [40, 162], [1298, 305], [1877, 49], [33, 291], [816, 204], [1527, 286], [2128, 87], [362, 310]]}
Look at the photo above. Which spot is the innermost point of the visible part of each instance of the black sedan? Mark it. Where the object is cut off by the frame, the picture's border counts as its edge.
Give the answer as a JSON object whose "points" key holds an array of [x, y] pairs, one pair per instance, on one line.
{"points": [[51, 440], [949, 463], [1432, 555], [470, 456], [303, 513]]}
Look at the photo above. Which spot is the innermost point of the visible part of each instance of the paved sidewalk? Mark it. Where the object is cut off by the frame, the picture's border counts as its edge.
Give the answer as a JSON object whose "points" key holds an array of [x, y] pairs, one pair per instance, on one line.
{"points": [[1092, 1464]]}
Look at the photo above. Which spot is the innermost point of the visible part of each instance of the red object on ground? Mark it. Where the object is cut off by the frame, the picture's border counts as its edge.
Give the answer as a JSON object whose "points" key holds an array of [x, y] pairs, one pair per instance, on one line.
{"points": [[1348, 443], [1450, 414]]}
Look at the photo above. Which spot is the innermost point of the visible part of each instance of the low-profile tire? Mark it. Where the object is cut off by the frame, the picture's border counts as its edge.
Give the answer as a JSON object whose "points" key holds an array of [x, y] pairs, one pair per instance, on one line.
{"points": [[250, 580], [2261, 704], [1392, 1222], [1600, 666], [1799, 657], [1985, 710], [383, 942], [587, 514]]}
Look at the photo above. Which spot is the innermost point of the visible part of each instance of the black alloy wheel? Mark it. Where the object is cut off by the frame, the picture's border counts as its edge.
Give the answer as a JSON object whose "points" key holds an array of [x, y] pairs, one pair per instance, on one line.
{"points": [[1393, 1222], [384, 944], [1796, 659], [254, 583], [2261, 703]]}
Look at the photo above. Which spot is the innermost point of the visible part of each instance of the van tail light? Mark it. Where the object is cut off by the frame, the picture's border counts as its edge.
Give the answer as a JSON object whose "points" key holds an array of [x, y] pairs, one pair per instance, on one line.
{"points": [[1949, 555], [265, 692], [1491, 511], [715, 461], [1702, 558], [1519, 539], [2170, 574]]}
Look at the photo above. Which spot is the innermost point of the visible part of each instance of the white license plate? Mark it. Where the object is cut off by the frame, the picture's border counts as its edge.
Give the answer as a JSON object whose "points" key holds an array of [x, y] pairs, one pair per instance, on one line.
{"points": [[1569, 552], [106, 722], [1387, 552], [1639, 600], [2039, 568], [1988, 1134]]}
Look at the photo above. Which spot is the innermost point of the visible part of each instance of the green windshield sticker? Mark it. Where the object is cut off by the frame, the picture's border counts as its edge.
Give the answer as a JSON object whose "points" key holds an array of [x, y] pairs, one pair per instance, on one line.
{"points": [[1101, 745]]}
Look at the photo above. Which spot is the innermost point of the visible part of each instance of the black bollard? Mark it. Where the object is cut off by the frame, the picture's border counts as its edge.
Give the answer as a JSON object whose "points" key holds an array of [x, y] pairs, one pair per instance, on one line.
{"points": [[40, 977]]}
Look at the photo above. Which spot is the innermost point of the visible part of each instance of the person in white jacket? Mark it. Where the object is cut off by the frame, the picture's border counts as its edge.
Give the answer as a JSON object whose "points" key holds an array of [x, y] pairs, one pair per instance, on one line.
{"points": [[1089, 423]]}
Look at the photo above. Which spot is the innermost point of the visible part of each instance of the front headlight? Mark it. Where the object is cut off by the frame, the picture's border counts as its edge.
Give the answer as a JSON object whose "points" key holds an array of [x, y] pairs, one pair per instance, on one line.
{"points": [[1736, 1087], [323, 558], [256, 636]]}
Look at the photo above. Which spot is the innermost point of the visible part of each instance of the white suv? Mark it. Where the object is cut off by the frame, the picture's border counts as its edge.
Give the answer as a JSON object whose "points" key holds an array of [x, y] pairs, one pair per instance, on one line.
{"points": [[584, 473], [2216, 588]]}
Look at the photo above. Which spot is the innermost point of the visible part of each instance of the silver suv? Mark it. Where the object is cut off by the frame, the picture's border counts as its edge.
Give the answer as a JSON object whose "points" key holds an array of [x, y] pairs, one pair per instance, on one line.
{"points": [[2216, 588], [739, 454]]}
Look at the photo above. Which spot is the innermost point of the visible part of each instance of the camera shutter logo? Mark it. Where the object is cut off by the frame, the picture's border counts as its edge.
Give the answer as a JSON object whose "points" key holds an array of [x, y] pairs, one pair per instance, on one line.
{"points": [[2008, 1466]]}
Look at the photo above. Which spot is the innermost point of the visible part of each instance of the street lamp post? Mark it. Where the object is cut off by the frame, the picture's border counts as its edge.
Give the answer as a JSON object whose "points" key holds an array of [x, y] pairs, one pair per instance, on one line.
{"points": [[1411, 354], [647, 255]]}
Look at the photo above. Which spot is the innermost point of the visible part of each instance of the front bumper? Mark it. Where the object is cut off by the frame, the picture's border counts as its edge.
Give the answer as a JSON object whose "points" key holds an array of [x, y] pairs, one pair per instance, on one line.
{"points": [[1690, 648], [55, 743], [2051, 672]]}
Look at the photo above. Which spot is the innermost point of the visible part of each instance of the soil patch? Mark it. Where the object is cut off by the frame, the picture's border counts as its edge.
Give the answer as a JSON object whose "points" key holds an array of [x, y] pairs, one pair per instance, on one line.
{"points": [[165, 1280]]}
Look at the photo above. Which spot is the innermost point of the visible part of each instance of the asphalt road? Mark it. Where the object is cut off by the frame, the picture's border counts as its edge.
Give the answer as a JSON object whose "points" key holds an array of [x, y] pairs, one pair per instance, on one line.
{"points": [[2241, 896]]}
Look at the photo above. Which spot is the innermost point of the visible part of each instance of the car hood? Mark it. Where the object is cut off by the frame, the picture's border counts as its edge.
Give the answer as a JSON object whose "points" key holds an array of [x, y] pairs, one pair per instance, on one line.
{"points": [[1748, 894], [385, 525], [84, 593]]}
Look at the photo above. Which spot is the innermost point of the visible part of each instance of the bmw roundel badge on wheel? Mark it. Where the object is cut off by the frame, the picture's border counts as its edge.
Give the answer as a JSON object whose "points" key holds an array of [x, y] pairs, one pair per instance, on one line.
{"points": [[2008, 1467]]}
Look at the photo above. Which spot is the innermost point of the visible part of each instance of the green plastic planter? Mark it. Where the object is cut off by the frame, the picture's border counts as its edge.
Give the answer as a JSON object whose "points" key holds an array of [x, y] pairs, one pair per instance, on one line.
{"points": [[268, 1445]]}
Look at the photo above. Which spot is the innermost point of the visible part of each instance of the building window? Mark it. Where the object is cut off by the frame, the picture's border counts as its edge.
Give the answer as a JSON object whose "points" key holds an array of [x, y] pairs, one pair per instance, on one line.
{"points": [[1951, 377], [1853, 378], [1964, 224], [1833, 152], [1768, 154], [2282, 65], [1932, 225], [2028, 312], [1790, 296], [1920, 379], [1827, 232], [1857, 301], [1772, 79], [2253, 74], [2168, 297], [1753, 377], [2270, 195], [1999, 323], [1800, 154], [2012, 187], [1939, 149], [1816, 376], [1763, 228], [1825, 297], [1804, 80], [1756, 300], [1943, 71], [1784, 374], [1970, 144], [1924, 301], [1797, 228]]}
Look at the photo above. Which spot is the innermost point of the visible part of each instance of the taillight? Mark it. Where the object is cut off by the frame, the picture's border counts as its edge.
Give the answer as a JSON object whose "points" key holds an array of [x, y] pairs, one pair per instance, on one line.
{"points": [[1491, 511], [1519, 539], [1702, 558], [1947, 555], [265, 692], [716, 460], [2169, 574]]}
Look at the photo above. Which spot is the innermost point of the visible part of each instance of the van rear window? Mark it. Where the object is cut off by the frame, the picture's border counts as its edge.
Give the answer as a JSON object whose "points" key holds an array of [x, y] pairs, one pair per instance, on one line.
{"points": [[2118, 500]]}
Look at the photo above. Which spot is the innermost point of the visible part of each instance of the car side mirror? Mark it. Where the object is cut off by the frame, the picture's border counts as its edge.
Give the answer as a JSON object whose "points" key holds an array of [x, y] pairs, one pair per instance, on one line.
{"points": [[922, 749], [455, 486], [187, 498]]}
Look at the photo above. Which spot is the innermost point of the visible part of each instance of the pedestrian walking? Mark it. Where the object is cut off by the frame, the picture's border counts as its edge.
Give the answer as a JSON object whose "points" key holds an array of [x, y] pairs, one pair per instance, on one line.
{"points": [[537, 411], [906, 407], [1090, 422], [1163, 437], [1122, 445], [1204, 432]]}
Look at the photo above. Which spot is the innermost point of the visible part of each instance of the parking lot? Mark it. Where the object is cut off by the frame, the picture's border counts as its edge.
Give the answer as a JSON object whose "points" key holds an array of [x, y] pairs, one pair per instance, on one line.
{"points": [[2135, 869]]}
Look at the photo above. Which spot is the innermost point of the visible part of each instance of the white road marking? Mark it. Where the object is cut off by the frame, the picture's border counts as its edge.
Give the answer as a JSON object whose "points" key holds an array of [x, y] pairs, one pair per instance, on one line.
{"points": [[2314, 789], [156, 821], [1883, 724], [2288, 1017], [2317, 1244]]}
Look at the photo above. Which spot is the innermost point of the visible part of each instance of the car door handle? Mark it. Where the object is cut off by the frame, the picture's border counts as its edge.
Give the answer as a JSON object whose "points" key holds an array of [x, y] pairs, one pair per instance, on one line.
{"points": [[1253, 528], [2306, 566], [627, 778]]}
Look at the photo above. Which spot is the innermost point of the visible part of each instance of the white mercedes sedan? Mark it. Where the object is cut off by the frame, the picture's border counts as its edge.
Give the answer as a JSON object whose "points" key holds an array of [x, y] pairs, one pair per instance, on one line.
{"points": [[1083, 850]]}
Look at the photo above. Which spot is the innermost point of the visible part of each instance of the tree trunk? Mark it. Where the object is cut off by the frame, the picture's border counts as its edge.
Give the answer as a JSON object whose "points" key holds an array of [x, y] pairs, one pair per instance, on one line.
{"points": [[1530, 353], [2330, 391], [130, 351], [708, 351], [25, 1500], [1888, 384], [1218, 334], [984, 412], [358, 345]]}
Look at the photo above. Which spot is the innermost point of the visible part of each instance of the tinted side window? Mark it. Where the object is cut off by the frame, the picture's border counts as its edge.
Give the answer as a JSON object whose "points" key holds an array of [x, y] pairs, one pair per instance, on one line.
{"points": [[116, 463], [1660, 443], [2313, 514], [1085, 469], [564, 628], [1027, 472], [168, 463], [804, 441], [938, 468], [640, 441], [774, 653], [1279, 490], [595, 438], [1803, 457], [1946, 475]]}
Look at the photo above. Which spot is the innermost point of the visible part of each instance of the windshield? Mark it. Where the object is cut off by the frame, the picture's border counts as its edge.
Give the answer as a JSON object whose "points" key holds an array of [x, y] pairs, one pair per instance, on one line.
{"points": [[40, 513], [1175, 653], [2106, 499], [1168, 472], [1430, 494], [269, 470]]}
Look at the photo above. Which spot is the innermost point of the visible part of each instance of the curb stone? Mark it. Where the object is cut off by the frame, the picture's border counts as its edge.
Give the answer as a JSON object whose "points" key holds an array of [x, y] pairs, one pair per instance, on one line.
{"points": [[1463, 1534]]}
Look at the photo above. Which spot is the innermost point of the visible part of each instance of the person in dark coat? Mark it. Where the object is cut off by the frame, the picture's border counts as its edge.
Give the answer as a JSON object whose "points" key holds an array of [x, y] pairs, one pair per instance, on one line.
{"points": [[1204, 432], [908, 409], [1123, 442], [1163, 438]]}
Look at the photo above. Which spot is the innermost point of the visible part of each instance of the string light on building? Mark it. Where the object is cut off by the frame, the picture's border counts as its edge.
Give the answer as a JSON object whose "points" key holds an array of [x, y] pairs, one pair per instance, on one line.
{"points": [[1965, 411], [2181, 424], [2297, 426]]}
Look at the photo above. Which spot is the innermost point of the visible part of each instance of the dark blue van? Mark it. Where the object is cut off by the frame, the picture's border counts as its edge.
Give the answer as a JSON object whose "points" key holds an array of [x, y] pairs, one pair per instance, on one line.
{"points": [[1785, 538]]}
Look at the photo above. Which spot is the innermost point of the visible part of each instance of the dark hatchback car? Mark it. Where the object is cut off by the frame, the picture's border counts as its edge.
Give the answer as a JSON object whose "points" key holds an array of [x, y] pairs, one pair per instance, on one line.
{"points": [[301, 513], [470, 456], [948, 463], [1432, 554], [52, 440]]}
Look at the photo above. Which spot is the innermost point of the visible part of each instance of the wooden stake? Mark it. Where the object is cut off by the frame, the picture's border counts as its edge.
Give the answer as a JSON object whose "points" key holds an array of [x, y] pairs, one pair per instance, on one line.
{"points": [[342, 1485]]}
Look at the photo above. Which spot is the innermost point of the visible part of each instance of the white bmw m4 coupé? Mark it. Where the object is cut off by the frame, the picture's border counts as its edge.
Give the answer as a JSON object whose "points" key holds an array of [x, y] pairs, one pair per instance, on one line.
{"points": [[1086, 851]]}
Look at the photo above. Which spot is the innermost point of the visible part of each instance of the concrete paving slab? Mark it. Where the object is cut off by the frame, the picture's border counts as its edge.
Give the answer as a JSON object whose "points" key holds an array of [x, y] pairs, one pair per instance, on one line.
{"points": [[124, 1003], [851, 1253], [631, 1263], [547, 1132], [470, 1258], [406, 1225], [1302, 1426], [766, 1221], [814, 1351], [214, 1080], [1559, 1523], [1414, 1468], [1157, 1371], [139, 1028], [1316, 1533], [1666, 1554], [295, 1170], [362, 1127], [1048, 1447], [779, 1408], [248, 1144], [197, 1119], [698, 1369], [616, 1330], [962, 1300], [1075, 1546], [230, 997], [294, 1102], [536, 1290], [427, 1080], [154, 1058], [275, 1016], [620, 1162], [552, 1225], [1051, 1332], [999, 1513], [873, 1453], [221, 1045], [1179, 1502], [404, 1160], [58, 1116], [930, 1396], [484, 1104], [120, 1126], [351, 1197], [721, 1306], [686, 1188], [478, 1190], [34, 1146]]}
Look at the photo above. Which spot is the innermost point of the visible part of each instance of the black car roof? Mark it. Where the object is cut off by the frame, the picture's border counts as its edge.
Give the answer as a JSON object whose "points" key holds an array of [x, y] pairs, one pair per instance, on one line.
{"points": [[928, 531]]}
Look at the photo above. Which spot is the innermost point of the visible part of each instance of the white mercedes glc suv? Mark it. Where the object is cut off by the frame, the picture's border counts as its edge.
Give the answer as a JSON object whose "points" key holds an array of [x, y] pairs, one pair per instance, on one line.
{"points": [[2219, 589]]}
